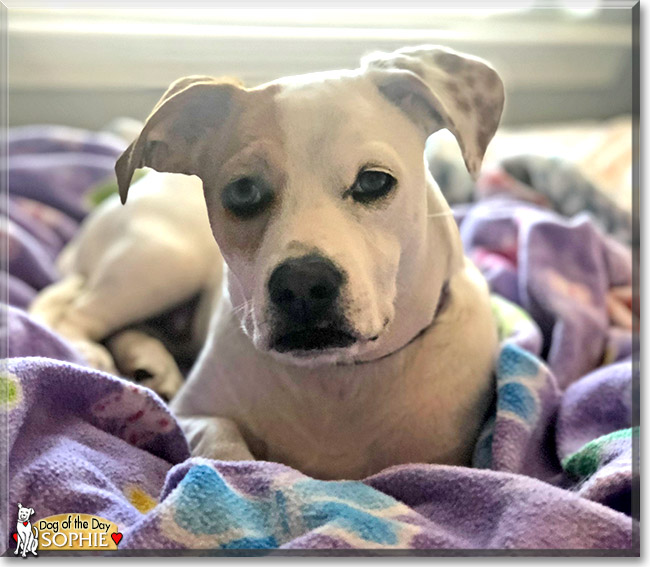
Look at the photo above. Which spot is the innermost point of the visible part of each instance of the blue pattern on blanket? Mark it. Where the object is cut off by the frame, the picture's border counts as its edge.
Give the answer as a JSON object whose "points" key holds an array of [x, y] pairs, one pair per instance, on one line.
{"points": [[515, 361], [205, 504], [517, 374], [82, 440]]}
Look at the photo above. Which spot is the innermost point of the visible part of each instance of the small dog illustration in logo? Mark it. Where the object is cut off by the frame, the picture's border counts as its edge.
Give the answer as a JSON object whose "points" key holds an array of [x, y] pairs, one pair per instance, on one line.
{"points": [[27, 536]]}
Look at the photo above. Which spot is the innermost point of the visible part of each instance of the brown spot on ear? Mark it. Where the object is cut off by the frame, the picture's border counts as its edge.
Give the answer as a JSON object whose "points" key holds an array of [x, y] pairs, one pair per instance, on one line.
{"points": [[450, 62], [463, 105], [483, 138], [470, 80], [479, 103], [155, 152], [452, 87], [491, 113], [436, 116]]}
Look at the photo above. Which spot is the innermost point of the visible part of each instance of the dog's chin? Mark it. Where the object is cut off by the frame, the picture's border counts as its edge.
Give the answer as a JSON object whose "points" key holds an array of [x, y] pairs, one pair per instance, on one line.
{"points": [[320, 357], [313, 347], [313, 339]]}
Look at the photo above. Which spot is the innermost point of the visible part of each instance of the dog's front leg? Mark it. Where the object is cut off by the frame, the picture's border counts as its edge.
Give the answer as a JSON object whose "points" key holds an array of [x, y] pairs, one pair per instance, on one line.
{"points": [[215, 438]]}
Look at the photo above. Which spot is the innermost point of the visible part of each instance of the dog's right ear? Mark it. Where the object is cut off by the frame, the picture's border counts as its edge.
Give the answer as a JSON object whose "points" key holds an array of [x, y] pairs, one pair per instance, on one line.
{"points": [[190, 107]]}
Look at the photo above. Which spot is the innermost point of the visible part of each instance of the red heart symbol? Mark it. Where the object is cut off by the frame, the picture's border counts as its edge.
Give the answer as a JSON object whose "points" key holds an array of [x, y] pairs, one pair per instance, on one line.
{"points": [[25, 523], [15, 537], [117, 537]]}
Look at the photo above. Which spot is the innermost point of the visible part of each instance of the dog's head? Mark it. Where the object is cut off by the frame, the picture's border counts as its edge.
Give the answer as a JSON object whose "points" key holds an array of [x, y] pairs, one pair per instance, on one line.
{"points": [[24, 513], [338, 241]]}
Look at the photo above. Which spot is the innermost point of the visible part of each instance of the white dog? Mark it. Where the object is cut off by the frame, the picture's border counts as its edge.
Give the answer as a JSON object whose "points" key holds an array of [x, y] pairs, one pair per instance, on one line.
{"points": [[27, 536], [346, 331]]}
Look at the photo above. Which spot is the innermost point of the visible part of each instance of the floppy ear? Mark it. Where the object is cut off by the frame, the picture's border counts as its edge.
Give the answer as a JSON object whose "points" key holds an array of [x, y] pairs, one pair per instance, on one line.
{"points": [[439, 88], [31, 511], [189, 107]]}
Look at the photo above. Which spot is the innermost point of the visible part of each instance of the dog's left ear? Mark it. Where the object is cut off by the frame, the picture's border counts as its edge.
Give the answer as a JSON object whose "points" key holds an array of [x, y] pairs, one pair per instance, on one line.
{"points": [[31, 511], [440, 88]]}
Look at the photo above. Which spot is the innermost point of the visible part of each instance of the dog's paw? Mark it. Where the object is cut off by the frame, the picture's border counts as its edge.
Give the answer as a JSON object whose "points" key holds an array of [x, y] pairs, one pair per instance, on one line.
{"points": [[145, 360], [163, 377], [95, 354], [215, 438]]}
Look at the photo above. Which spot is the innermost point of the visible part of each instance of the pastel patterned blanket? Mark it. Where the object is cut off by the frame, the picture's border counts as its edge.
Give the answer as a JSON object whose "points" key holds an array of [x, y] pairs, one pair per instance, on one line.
{"points": [[553, 468]]}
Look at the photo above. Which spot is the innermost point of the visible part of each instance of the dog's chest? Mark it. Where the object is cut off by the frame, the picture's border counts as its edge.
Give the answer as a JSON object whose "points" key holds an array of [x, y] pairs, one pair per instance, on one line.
{"points": [[423, 404], [352, 422], [332, 440]]}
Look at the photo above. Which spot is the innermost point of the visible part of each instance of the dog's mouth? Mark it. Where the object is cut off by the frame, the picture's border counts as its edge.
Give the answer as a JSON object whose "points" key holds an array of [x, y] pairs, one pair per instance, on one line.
{"points": [[312, 339]]}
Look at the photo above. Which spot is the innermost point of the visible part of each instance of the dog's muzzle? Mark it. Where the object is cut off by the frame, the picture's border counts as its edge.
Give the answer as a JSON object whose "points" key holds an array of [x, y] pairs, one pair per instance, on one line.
{"points": [[304, 293]]}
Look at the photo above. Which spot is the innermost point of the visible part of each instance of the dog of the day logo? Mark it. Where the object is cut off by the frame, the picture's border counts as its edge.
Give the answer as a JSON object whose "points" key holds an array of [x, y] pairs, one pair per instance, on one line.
{"points": [[26, 535], [64, 532]]}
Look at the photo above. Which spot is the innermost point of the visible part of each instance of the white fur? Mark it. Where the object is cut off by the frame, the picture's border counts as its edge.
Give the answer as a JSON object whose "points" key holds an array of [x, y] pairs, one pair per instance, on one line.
{"points": [[418, 393]]}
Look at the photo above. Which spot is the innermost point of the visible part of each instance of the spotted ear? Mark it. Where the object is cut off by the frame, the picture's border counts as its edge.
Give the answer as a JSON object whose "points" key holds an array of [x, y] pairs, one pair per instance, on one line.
{"points": [[190, 108], [440, 88]]}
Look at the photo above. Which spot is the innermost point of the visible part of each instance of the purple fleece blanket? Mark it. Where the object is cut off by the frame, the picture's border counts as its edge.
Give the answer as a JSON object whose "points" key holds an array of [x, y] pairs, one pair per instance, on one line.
{"points": [[553, 467]]}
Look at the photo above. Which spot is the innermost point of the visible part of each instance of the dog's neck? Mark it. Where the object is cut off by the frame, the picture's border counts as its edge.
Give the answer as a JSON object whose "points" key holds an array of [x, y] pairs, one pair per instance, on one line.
{"points": [[424, 276], [443, 299]]}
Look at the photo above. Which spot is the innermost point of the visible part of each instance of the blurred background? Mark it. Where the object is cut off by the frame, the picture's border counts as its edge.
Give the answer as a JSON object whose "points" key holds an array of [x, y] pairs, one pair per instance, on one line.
{"points": [[567, 69], [82, 67]]}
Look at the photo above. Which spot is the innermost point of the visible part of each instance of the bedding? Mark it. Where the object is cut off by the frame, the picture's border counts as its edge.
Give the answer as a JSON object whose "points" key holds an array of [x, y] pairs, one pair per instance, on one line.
{"points": [[553, 468], [599, 151]]}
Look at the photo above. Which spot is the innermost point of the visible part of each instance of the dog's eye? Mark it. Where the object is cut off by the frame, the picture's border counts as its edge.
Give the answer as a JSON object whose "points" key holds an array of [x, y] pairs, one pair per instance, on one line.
{"points": [[246, 197], [371, 185]]}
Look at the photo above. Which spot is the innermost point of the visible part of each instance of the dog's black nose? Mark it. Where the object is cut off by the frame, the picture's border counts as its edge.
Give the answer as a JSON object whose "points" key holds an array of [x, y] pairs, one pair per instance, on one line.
{"points": [[305, 289]]}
